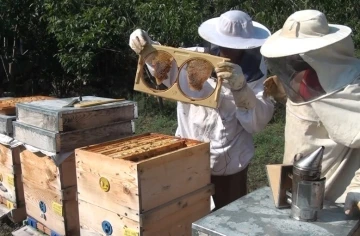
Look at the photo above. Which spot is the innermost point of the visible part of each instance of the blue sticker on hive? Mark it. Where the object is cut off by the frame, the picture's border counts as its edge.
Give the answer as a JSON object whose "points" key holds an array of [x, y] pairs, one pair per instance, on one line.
{"points": [[42, 206], [107, 228]]}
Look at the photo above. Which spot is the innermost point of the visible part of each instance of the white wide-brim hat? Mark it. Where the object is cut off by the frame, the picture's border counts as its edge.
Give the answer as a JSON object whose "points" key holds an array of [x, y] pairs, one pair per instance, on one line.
{"points": [[234, 29], [302, 32]]}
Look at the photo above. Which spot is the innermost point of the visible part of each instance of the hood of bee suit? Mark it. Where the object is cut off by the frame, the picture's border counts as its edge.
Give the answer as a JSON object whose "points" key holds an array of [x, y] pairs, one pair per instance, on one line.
{"points": [[336, 65]]}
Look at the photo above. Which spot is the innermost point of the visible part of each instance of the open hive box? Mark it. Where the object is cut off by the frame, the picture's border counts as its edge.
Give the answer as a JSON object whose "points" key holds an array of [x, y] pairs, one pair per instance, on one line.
{"points": [[179, 74], [150, 184]]}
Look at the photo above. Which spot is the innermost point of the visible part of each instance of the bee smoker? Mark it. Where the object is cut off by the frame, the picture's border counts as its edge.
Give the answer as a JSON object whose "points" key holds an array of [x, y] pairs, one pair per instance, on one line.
{"points": [[308, 188]]}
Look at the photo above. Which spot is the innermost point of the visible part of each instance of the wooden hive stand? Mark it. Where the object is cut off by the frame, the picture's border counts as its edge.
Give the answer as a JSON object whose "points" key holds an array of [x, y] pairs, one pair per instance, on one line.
{"points": [[150, 184]]}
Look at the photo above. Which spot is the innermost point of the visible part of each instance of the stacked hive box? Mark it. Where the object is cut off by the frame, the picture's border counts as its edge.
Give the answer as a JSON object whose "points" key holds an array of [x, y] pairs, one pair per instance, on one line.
{"points": [[50, 181], [151, 184], [11, 188]]}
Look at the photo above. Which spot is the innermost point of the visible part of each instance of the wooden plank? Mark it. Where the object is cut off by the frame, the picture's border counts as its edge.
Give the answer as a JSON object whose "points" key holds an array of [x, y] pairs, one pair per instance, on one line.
{"points": [[91, 224], [52, 116], [173, 218], [168, 176], [123, 194], [10, 175], [6, 157], [95, 103], [160, 213], [7, 185], [179, 224], [6, 124], [67, 141], [280, 182], [53, 218], [60, 216], [53, 177]]}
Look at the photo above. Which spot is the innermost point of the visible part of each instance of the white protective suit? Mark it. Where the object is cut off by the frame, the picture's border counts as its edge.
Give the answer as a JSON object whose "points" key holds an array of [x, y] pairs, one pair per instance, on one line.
{"points": [[229, 129], [332, 120]]}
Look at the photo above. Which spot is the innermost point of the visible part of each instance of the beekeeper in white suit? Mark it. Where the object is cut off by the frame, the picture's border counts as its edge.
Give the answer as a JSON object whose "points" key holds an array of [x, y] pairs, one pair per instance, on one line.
{"points": [[242, 111], [315, 63]]}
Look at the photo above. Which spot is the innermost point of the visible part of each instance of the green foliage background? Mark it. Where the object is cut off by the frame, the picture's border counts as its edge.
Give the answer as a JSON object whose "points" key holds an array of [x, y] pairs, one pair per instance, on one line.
{"points": [[64, 47]]}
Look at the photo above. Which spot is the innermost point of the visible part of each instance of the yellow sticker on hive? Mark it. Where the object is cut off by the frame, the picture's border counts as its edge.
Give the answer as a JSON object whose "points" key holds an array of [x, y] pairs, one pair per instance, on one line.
{"points": [[57, 208], [130, 232], [10, 180], [9, 205], [104, 184]]}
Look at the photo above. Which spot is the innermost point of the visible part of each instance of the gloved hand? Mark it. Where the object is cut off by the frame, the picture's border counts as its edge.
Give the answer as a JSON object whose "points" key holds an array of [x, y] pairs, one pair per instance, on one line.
{"points": [[274, 88], [139, 39], [352, 203], [232, 73], [244, 97]]}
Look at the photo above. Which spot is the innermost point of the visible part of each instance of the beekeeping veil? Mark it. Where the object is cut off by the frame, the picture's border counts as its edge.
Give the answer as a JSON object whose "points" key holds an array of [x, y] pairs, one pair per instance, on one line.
{"points": [[312, 58]]}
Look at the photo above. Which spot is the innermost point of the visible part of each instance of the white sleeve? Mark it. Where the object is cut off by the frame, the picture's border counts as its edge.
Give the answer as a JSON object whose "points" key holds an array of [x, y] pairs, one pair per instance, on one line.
{"points": [[255, 120]]}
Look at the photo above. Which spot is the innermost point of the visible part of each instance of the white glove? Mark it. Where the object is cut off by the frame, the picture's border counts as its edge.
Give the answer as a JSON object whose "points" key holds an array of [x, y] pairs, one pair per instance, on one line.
{"points": [[244, 97], [138, 40], [232, 73]]}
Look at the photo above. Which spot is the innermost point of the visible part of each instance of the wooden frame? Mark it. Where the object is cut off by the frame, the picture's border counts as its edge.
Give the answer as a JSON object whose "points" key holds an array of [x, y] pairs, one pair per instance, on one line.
{"points": [[181, 56]]}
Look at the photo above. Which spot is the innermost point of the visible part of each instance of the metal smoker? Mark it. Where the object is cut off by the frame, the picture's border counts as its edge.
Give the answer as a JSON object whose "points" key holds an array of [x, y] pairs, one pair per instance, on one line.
{"points": [[308, 188]]}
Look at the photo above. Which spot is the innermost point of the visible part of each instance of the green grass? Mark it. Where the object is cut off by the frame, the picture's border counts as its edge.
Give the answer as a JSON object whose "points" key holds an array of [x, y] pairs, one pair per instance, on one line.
{"points": [[269, 143]]}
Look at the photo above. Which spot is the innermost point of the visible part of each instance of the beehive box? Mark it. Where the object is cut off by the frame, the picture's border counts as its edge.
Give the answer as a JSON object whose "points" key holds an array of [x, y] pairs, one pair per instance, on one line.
{"points": [[50, 115], [50, 193], [11, 188], [138, 184], [49, 126]]}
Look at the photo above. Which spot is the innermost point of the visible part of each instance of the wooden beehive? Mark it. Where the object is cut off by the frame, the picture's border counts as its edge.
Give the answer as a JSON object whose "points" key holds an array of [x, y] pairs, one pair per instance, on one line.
{"points": [[50, 126], [143, 184], [11, 188], [50, 193]]}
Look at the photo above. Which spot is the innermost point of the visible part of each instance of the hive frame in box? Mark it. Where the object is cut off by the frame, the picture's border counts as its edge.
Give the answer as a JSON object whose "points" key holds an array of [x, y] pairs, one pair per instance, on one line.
{"points": [[181, 56]]}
